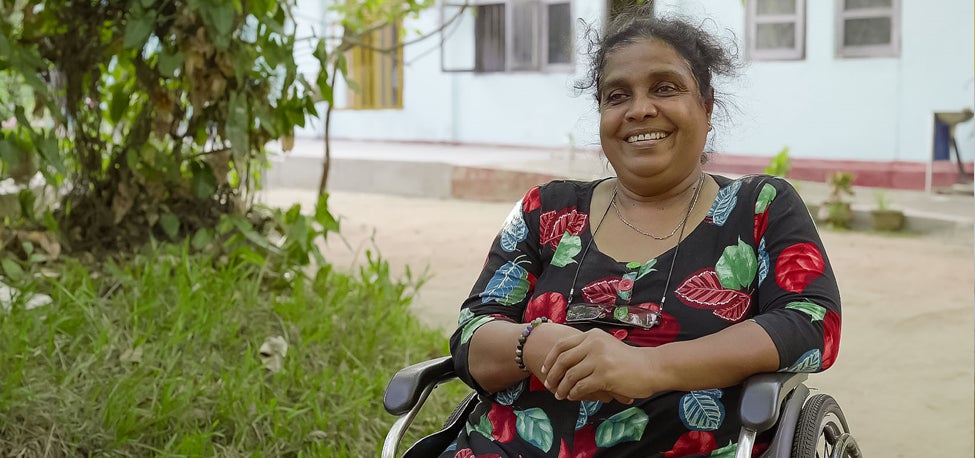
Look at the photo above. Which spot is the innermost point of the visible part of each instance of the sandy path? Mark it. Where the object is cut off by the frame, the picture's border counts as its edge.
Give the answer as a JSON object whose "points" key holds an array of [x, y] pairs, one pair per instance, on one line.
{"points": [[905, 371]]}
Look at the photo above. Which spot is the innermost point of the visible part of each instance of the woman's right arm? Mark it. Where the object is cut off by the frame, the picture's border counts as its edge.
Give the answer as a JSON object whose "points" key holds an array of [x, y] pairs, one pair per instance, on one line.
{"points": [[493, 349], [483, 346]]}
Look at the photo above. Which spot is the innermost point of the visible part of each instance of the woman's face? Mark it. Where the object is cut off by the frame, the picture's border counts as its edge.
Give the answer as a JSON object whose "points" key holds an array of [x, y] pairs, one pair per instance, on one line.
{"points": [[653, 120]]}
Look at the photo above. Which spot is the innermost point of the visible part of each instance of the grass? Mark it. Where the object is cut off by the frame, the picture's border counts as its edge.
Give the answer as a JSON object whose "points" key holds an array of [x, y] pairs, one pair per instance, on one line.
{"points": [[159, 357]]}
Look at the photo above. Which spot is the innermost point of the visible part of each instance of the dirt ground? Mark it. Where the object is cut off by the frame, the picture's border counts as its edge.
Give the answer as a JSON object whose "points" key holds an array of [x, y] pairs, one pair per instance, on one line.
{"points": [[905, 371]]}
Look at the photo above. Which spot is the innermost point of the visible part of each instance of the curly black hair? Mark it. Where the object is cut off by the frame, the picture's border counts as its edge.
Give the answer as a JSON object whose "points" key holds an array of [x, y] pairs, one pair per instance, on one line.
{"points": [[704, 53]]}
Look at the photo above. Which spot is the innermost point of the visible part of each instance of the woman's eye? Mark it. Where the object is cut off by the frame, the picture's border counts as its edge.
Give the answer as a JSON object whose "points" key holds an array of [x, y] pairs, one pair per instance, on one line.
{"points": [[615, 97], [667, 89]]}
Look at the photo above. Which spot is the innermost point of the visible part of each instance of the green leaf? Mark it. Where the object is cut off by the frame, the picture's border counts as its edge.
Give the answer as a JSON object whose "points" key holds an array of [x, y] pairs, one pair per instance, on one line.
{"points": [[816, 312], [764, 198], [12, 269], [119, 102], [138, 26], [518, 293], [737, 267], [169, 63], [170, 225], [646, 268], [202, 238], [535, 428], [204, 184], [484, 427], [568, 248], [237, 124], [472, 326], [324, 217], [728, 451], [625, 426]]}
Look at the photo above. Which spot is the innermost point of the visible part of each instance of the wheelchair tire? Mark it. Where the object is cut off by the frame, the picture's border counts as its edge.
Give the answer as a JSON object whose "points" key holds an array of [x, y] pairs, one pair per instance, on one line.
{"points": [[822, 431]]}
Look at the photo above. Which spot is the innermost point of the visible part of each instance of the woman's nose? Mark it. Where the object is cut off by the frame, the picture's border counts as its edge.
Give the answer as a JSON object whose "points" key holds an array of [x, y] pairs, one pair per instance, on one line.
{"points": [[643, 107]]}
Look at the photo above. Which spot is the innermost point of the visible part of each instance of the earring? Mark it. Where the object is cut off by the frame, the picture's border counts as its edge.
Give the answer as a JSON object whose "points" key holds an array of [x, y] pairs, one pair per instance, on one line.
{"points": [[710, 127]]}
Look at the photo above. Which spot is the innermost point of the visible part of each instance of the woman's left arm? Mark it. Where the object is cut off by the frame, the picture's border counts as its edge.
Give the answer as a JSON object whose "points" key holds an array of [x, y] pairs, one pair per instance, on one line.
{"points": [[596, 361]]}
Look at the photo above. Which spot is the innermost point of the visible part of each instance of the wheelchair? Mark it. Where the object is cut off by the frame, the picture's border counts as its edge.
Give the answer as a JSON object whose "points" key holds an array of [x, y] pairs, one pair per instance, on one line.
{"points": [[803, 425]]}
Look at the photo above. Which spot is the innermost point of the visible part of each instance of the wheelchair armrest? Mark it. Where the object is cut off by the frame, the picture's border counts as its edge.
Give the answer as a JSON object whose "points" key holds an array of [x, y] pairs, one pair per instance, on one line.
{"points": [[405, 388], [762, 397]]}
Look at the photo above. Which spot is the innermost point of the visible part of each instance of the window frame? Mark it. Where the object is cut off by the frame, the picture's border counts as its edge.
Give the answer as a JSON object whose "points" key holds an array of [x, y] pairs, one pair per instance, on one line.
{"points": [[561, 67], [753, 20], [540, 29], [892, 49]]}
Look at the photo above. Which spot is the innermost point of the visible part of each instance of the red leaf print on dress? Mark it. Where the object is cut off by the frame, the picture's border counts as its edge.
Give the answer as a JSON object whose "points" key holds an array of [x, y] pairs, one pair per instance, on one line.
{"points": [[601, 291], [693, 443], [584, 443], [550, 305], [831, 338], [555, 225], [464, 453], [503, 421], [665, 332], [797, 266], [703, 290], [532, 200], [761, 224], [736, 309]]}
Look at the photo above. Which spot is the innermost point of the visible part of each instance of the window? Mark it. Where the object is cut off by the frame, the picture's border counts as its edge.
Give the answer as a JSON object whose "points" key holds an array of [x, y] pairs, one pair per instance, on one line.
{"points": [[376, 71], [776, 29], [509, 35], [868, 28]]}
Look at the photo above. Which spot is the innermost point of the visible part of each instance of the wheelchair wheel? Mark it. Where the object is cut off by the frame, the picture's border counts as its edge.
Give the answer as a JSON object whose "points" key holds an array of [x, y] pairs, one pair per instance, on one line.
{"points": [[822, 431]]}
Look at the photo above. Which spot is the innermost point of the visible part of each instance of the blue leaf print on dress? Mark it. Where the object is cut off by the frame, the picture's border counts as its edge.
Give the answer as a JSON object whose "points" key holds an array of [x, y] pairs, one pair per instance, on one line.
{"points": [[763, 262], [511, 394], [724, 203], [810, 361], [701, 410], [508, 286], [586, 410], [514, 230]]}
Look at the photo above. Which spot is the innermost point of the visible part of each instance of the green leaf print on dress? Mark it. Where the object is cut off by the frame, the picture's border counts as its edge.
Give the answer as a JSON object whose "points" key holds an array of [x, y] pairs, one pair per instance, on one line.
{"points": [[535, 428], [816, 312], [702, 410], [484, 427], [625, 426], [737, 267], [472, 326], [508, 286], [765, 197], [568, 248], [728, 451]]}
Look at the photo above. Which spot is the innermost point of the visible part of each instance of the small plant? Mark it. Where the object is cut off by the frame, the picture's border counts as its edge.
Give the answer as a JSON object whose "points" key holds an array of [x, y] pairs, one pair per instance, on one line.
{"points": [[884, 217], [835, 210], [780, 164]]}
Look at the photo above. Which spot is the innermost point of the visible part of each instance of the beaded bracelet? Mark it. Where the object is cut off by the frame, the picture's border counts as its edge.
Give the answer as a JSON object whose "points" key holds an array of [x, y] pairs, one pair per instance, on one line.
{"points": [[520, 349]]}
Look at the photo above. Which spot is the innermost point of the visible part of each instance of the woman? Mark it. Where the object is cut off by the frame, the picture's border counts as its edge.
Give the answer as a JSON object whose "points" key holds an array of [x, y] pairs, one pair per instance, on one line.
{"points": [[650, 296]]}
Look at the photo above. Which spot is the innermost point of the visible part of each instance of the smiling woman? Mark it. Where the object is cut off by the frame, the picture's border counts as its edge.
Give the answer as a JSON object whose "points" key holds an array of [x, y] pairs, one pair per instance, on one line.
{"points": [[588, 325]]}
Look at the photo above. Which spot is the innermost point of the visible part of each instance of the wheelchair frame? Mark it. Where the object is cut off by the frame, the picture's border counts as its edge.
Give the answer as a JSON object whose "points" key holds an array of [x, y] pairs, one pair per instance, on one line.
{"points": [[768, 400]]}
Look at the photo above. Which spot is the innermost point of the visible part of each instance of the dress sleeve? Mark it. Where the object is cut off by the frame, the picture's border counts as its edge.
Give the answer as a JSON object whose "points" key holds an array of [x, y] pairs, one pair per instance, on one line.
{"points": [[506, 282], [799, 302]]}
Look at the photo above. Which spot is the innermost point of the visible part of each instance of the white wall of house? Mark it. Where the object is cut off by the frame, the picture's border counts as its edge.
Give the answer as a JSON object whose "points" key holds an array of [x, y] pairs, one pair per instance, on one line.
{"points": [[822, 106]]}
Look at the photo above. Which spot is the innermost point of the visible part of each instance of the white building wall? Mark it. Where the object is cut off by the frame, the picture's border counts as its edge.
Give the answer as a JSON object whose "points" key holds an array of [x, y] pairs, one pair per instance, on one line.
{"points": [[821, 107]]}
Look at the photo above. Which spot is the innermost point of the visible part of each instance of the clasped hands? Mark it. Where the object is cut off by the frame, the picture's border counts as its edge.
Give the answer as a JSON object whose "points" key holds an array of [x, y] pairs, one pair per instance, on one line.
{"points": [[596, 366]]}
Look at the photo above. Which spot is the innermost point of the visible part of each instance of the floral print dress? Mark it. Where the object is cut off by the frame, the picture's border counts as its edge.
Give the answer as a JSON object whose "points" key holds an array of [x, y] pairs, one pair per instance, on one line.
{"points": [[757, 255]]}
